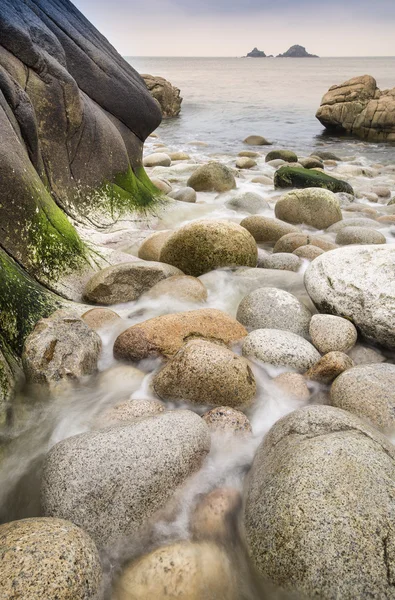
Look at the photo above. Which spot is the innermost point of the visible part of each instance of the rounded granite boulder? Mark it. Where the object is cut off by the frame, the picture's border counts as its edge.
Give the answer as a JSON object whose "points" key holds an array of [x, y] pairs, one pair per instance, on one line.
{"points": [[111, 481], [205, 245], [359, 235], [249, 202], [369, 392], [285, 155], [329, 333], [266, 229], [158, 159], [224, 419], [272, 308], [212, 177], [205, 373], [152, 245], [44, 558], [180, 287], [316, 207], [319, 505]]}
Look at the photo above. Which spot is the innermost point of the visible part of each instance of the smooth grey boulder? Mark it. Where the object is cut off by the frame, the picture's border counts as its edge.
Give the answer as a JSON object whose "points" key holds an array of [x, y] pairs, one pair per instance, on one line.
{"points": [[359, 235], [285, 261], [280, 349], [358, 283], [185, 194], [61, 349], [332, 334], [369, 392], [266, 229], [111, 481], [126, 282], [317, 207], [249, 202], [319, 506], [157, 159], [353, 222], [273, 308]]}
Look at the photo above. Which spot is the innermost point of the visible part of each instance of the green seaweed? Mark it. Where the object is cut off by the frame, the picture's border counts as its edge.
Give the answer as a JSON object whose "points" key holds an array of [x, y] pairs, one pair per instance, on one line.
{"points": [[297, 177]]}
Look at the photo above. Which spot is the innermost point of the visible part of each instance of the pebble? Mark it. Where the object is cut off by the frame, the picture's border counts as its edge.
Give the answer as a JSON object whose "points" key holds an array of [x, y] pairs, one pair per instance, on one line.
{"points": [[329, 367], [158, 159], [224, 419]]}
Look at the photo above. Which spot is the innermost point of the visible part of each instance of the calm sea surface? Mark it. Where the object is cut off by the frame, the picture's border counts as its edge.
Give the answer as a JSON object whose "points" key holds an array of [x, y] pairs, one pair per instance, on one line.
{"points": [[226, 99]]}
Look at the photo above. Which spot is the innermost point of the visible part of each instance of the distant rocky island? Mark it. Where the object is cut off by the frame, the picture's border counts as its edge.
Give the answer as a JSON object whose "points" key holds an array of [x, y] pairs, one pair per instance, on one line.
{"points": [[295, 51]]}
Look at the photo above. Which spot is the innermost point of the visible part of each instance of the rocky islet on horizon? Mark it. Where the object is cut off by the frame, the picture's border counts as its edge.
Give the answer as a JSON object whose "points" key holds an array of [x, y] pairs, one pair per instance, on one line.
{"points": [[295, 51], [220, 287]]}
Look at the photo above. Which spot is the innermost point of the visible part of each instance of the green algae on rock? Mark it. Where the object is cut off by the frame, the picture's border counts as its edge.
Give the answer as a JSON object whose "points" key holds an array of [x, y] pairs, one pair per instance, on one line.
{"points": [[296, 177]]}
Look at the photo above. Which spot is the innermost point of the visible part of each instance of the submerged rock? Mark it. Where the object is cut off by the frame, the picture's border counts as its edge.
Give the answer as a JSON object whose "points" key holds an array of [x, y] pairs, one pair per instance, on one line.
{"points": [[126, 282], [167, 95], [205, 245], [61, 349], [357, 282], [358, 107], [297, 177], [312, 523], [164, 335], [316, 207], [249, 202], [212, 177], [257, 140], [111, 481], [44, 558], [205, 373]]}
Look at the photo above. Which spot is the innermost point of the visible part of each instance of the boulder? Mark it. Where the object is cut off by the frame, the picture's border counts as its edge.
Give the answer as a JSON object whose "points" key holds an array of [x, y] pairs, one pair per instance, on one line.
{"points": [[316, 207], [309, 252], [205, 245], [281, 349], [61, 349], [185, 194], [249, 153], [120, 380], [243, 162], [357, 282], [205, 373], [285, 155], [266, 229], [166, 94], [249, 202], [359, 235], [162, 184], [99, 318], [126, 281], [272, 308], [182, 571], [181, 287], [297, 177], [369, 392], [151, 247], [358, 107], [158, 159], [111, 481], [164, 335], [291, 241], [311, 163], [363, 355], [282, 260], [129, 410], [179, 156], [224, 419], [352, 222], [45, 558], [292, 385], [329, 333], [213, 177], [213, 516], [256, 140], [329, 367], [312, 523], [326, 155]]}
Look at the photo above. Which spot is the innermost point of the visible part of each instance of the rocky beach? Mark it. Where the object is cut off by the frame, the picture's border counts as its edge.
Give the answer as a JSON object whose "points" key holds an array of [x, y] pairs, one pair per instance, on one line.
{"points": [[197, 346]]}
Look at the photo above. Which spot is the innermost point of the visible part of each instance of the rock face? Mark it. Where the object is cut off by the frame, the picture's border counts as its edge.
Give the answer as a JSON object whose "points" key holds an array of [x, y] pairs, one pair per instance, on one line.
{"points": [[297, 177], [369, 392], [48, 558], [358, 107], [166, 94], [312, 522], [60, 349], [126, 281], [124, 473], [205, 373], [164, 336], [205, 245], [297, 51], [317, 207], [357, 282], [255, 53]]}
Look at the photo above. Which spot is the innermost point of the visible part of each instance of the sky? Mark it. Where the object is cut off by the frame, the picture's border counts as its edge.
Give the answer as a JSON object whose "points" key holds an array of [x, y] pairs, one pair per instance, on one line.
{"points": [[234, 27]]}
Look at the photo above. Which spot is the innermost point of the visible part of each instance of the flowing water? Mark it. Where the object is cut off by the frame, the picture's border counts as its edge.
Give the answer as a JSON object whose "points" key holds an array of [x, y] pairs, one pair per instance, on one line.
{"points": [[225, 100]]}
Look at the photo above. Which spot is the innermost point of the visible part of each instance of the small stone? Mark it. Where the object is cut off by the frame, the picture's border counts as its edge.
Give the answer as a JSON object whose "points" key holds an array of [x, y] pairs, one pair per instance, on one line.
{"points": [[181, 287], [311, 163], [179, 156], [329, 367], [382, 192], [266, 229], [329, 333], [272, 308], [243, 162], [293, 385], [99, 318], [186, 194], [249, 154], [282, 260], [224, 419], [326, 155], [126, 282], [158, 159], [281, 349], [257, 140], [204, 373], [263, 179], [359, 235], [286, 155], [44, 558], [151, 247], [309, 252], [362, 355], [161, 184], [213, 515], [212, 177]]}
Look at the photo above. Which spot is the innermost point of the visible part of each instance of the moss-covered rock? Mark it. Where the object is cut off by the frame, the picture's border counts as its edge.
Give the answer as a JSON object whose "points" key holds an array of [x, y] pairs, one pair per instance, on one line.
{"points": [[296, 177]]}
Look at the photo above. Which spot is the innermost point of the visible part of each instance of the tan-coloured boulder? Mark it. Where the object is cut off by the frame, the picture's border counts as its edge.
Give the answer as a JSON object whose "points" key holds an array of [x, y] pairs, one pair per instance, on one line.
{"points": [[151, 247], [181, 287], [224, 419], [330, 333], [316, 207], [212, 516], [212, 177], [329, 367], [97, 318], [164, 335], [292, 241], [129, 410], [266, 229], [205, 373]]}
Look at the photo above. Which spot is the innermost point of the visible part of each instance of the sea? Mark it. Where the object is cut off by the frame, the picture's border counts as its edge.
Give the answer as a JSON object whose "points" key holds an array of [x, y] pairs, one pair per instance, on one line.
{"points": [[227, 99]]}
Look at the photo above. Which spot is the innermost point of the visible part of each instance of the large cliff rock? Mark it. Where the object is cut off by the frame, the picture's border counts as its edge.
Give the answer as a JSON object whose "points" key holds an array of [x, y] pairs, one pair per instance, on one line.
{"points": [[358, 107], [166, 94], [73, 119]]}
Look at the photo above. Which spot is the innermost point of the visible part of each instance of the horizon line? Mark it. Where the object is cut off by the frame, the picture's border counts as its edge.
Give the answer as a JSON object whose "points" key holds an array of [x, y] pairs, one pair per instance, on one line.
{"points": [[238, 56]]}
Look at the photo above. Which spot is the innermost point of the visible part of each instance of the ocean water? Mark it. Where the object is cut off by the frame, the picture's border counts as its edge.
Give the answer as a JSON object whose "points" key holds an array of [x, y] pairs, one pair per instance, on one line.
{"points": [[227, 99]]}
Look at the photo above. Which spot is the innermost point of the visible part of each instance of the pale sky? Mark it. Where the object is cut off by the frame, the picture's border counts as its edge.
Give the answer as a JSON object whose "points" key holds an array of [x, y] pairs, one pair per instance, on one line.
{"points": [[230, 28]]}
